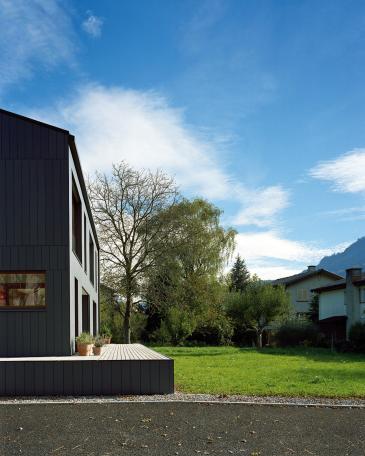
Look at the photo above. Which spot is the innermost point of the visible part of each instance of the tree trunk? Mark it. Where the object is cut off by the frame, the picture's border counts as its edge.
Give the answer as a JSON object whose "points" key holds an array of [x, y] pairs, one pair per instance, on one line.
{"points": [[259, 339], [127, 319]]}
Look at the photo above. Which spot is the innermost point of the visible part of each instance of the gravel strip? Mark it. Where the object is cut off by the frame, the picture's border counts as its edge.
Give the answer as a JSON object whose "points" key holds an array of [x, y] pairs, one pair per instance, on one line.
{"points": [[185, 397]]}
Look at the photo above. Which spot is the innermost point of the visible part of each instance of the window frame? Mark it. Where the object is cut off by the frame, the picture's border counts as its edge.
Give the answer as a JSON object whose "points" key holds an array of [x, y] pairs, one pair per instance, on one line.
{"points": [[78, 228], [91, 259], [27, 308], [362, 295]]}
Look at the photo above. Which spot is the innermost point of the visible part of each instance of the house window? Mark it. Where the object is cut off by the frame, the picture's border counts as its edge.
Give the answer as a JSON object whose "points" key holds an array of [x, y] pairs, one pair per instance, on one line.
{"points": [[21, 290], [85, 245], [362, 295], [76, 307], [85, 312], [76, 222], [302, 294], [94, 318], [96, 271], [91, 259]]}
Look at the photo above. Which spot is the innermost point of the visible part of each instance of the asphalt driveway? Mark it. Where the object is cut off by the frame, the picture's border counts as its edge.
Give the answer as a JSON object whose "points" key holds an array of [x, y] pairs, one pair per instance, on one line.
{"points": [[108, 429]]}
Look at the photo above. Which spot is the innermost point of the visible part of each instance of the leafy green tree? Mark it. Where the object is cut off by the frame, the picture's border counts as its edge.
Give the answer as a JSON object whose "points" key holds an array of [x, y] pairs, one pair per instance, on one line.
{"points": [[239, 275], [259, 305], [176, 327], [187, 277]]}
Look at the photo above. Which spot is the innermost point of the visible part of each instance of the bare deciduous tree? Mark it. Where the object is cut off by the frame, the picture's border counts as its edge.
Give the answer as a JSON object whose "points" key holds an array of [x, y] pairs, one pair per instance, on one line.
{"points": [[129, 208]]}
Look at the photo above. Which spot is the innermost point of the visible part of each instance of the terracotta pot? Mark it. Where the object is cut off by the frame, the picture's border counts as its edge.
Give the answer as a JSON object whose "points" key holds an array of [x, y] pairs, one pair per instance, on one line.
{"points": [[97, 351], [85, 349], [107, 340]]}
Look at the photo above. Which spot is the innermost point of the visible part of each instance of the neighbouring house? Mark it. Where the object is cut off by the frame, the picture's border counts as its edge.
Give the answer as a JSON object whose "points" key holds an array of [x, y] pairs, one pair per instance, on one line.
{"points": [[342, 303], [299, 286], [49, 275]]}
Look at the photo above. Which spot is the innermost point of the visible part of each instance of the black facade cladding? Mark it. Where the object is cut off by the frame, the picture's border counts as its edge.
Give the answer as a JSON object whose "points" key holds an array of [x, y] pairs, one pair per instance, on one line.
{"points": [[35, 237], [34, 232]]}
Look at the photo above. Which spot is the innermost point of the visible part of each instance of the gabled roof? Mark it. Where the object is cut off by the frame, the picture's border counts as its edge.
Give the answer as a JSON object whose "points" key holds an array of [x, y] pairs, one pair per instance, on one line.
{"points": [[305, 275], [75, 156], [340, 284]]}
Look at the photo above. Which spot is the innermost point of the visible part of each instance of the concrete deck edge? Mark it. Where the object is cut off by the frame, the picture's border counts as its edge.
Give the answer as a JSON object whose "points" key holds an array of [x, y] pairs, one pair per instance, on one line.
{"points": [[80, 400]]}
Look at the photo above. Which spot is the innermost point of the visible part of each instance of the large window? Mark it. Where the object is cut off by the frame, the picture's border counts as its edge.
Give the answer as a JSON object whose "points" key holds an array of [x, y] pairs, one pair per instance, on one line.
{"points": [[96, 271], [85, 245], [85, 312], [95, 319], [91, 259], [76, 222], [22, 290], [76, 307]]}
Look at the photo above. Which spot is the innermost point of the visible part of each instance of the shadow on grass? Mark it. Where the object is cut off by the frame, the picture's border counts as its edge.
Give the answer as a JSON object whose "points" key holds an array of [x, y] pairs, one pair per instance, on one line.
{"points": [[314, 354]]}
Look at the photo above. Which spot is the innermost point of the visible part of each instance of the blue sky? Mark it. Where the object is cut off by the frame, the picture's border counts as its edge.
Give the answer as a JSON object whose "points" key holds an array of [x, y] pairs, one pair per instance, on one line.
{"points": [[255, 105]]}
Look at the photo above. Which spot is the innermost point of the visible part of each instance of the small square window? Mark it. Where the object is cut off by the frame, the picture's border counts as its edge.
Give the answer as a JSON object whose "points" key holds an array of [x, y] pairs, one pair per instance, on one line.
{"points": [[302, 294]]}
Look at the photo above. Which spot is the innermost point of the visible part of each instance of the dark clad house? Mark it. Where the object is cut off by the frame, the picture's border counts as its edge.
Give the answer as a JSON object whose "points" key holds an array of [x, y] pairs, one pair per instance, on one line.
{"points": [[49, 281], [44, 209]]}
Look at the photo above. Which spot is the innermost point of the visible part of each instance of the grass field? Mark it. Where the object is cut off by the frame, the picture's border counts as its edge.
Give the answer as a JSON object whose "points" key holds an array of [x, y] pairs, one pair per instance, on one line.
{"points": [[272, 371]]}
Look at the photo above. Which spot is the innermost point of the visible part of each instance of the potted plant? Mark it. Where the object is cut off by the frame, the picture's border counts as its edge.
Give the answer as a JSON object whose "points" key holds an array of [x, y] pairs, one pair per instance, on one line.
{"points": [[98, 345], [85, 344], [107, 337]]}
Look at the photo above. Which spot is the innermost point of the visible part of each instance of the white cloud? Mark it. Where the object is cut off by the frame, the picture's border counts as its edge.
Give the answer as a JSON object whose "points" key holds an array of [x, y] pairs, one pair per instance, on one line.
{"points": [[93, 25], [346, 173], [264, 205], [267, 253], [33, 33], [112, 124]]}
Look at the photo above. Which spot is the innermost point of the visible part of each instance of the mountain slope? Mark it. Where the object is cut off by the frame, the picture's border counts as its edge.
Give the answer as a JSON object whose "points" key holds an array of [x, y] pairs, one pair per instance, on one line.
{"points": [[353, 256]]}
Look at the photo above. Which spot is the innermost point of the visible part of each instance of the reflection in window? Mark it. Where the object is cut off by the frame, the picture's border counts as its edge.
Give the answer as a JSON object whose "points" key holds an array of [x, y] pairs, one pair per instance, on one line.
{"points": [[22, 289], [76, 222]]}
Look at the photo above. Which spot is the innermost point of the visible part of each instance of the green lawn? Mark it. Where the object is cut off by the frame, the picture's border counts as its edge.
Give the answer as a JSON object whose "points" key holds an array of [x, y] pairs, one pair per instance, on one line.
{"points": [[287, 372]]}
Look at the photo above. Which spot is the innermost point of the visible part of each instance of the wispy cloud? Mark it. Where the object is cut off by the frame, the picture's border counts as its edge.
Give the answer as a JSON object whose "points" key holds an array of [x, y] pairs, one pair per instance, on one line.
{"points": [[270, 255], [263, 205], [346, 173], [33, 33], [113, 123], [93, 25], [196, 32]]}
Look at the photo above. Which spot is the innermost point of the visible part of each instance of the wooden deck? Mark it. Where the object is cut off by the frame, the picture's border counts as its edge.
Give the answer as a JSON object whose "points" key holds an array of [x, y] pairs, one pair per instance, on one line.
{"points": [[128, 352], [120, 369]]}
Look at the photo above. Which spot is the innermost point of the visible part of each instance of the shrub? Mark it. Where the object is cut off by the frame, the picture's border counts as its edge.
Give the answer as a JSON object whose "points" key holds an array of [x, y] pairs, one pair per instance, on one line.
{"points": [[343, 346], [85, 338], [213, 331], [357, 337], [298, 333], [177, 326]]}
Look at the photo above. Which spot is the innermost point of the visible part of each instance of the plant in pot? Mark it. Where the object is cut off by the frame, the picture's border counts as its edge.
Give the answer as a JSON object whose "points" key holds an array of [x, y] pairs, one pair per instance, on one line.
{"points": [[98, 345], [107, 336], [85, 344]]}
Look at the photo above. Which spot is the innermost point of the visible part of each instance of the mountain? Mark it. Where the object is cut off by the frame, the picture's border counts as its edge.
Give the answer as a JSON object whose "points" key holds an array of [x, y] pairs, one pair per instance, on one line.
{"points": [[353, 256]]}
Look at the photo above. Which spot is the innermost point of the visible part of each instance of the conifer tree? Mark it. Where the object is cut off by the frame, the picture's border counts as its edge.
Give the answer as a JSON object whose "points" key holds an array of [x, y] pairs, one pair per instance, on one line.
{"points": [[239, 276]]}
